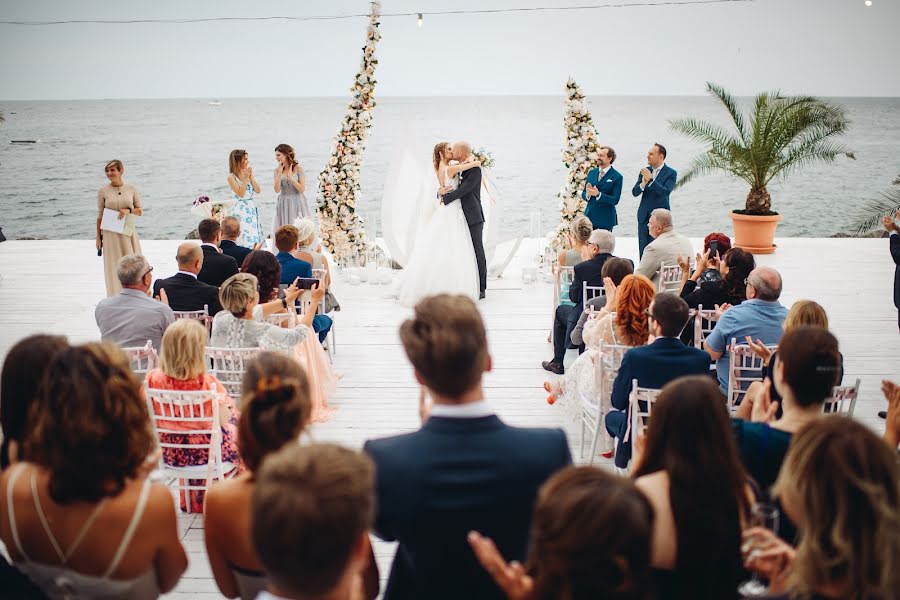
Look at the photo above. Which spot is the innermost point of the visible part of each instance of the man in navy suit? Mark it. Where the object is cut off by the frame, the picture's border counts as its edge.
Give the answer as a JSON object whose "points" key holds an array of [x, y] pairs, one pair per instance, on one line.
{"points": [[654, 184], [231, 231], [184, 291], [654, 366], [602, 191], [286, 239], [217, 267], [600, 245], [464, 470]]}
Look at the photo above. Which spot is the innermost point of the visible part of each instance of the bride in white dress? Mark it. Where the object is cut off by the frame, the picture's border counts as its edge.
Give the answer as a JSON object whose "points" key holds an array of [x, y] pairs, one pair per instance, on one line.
{"points": [[443, 259]]}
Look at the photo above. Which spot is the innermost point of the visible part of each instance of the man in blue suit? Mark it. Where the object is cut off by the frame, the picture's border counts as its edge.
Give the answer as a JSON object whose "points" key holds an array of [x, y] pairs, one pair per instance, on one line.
{"points": [[286, 240], [654, 184], [464, 470], [654, 366], [602, 191]]}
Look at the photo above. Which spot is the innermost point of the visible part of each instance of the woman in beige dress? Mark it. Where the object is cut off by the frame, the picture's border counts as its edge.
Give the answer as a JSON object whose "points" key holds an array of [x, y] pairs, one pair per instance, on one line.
{"points": [[124, 198]]}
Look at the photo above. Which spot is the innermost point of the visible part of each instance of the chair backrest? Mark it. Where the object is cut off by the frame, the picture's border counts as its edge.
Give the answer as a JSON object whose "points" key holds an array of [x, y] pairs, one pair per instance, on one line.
{"points": [[174, 411], [198, 315], [606, 365], [744, 368], [228, 365], [704, 323], [589, 292], [843, 399], [640, 403], [142, 358], [563, 277], [669, 278]]}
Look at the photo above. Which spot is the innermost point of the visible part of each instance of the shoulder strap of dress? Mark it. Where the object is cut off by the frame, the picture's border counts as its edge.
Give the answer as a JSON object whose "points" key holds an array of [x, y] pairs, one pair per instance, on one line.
{"points": [[132, 527], [63, 556], [10, 511]]}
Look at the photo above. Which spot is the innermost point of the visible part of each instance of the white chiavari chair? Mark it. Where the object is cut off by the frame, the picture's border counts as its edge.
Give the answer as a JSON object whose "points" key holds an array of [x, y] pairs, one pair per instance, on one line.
{"points": [[669, 278], [593, 410], [843, 399], [142, 359], [589, 292], [228, 365], [744, 368], [202, 316]]}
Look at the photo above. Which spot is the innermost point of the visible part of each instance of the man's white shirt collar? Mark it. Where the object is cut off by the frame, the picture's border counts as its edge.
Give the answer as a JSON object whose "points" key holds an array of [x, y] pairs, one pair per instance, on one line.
{"points": [[471, 410], [216, 248], [194, 275]]}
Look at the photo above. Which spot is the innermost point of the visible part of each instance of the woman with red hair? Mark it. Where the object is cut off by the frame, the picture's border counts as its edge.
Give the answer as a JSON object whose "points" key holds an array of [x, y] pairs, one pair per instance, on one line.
{"points": [[627, 326]]}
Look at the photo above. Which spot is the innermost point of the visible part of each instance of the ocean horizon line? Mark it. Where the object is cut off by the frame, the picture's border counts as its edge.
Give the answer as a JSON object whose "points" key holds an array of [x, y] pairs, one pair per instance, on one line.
{"points": [[400, 96]]}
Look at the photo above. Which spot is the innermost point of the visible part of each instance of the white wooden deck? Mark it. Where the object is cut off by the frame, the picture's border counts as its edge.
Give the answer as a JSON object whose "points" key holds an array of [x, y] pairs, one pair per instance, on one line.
{"points": [[53, 286]]}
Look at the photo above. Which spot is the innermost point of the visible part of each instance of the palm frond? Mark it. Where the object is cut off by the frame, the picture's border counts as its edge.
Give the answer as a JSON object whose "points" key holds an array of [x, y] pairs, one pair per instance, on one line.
{"points": [[870, 215], [706, 164], [704, 131], [731, 105]]}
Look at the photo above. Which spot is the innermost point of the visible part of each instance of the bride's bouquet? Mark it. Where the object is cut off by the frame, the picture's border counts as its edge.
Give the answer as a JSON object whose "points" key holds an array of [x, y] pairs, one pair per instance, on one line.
{"points": [[487, 161]]}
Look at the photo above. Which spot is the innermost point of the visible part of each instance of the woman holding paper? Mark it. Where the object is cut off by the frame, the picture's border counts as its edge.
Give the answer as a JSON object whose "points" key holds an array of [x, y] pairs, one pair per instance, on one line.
{"points": [[116, 235]]}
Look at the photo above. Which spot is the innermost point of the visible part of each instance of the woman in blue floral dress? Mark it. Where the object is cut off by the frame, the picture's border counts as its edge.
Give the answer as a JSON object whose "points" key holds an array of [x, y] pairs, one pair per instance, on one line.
{"points": [[244, 185]]}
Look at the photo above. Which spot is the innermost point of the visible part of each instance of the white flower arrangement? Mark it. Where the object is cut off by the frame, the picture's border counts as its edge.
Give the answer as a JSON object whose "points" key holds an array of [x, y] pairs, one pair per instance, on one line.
{"points": [[486, 158], [341, 228], [581, 145]]}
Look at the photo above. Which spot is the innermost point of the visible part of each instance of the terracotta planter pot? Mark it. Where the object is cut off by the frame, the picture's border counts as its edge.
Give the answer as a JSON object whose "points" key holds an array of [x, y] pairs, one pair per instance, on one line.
{"points": [[754, 233]]}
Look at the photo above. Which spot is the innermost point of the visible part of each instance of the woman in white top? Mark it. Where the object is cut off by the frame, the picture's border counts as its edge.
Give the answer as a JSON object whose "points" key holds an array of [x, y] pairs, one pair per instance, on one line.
{"points": [[80, 518]]}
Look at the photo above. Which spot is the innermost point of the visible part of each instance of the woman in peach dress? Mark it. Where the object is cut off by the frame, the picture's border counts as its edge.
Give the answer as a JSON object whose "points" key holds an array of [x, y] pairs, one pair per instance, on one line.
{"points": [[123, 198]]}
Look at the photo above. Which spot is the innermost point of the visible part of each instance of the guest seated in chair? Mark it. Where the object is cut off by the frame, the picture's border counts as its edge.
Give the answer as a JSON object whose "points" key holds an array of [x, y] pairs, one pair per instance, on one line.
{"points": [[654, 365], [602, 551], [132, 317], [80, 516], [464, 470], [616, 270], [287, 240], [276, 408], [183, 291], [688, 467], [231, 231], [840, 484], [310, 253], [601, 245], [728, 288], [217, 267], [576, 242], [312, 509], [182, 367], [666, 247]]}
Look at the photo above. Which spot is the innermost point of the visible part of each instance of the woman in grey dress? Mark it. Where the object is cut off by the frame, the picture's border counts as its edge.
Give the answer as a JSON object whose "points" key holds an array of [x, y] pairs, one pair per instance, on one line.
{"points": [[290, 185]]}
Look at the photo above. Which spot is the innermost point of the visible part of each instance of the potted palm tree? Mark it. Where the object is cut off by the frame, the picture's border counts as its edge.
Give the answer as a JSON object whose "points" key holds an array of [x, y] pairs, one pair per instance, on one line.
{"points": [[780, 135]]}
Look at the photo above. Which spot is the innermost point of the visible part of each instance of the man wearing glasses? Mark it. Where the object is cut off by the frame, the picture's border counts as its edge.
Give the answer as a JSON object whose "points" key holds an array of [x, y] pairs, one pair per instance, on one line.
{"points": [[132, 317]]}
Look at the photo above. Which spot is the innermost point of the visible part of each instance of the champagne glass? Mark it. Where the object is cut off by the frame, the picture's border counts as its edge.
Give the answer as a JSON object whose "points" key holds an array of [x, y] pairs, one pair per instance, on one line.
{"points": [[766, 516]]}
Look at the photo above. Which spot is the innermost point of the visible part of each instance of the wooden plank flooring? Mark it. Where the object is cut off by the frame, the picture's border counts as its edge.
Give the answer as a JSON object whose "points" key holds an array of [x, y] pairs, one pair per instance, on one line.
{"points": [[54, 285]]}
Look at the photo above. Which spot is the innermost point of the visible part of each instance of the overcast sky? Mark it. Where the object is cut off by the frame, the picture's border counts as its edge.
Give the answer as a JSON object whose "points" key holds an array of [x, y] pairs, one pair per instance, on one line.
{"points": [[824, 47]]}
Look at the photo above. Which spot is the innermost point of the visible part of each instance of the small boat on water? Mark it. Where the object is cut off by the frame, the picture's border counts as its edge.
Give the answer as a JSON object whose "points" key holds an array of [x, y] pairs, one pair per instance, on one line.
{"points": [[215, 103], [24, 141]]}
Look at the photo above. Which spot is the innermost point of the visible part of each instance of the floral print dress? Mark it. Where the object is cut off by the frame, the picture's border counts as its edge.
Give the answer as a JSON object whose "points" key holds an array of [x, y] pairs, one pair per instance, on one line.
{"points": [[189, 457], [247, 213]]}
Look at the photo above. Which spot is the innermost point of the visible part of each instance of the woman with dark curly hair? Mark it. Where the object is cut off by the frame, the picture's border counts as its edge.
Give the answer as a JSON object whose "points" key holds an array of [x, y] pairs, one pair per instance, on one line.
{"points": [[265, 267], [80, 513], [730, 288], [590, 539]]}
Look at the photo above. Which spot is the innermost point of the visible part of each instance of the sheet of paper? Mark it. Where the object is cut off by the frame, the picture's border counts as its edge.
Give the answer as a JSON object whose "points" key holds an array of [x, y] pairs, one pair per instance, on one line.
{"points": [[111, 222]]}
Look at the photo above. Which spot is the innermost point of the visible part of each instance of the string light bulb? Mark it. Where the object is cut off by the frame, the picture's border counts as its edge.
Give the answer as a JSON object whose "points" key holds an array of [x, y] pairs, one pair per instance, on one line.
{"points": [[419, 18]]}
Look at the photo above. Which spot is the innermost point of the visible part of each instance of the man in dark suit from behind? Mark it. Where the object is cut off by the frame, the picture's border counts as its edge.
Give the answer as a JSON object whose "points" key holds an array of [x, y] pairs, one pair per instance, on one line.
{"points": [[601, 245], [464, 470], [183, 289], [654, 365], [231, 231], [217, 267]]}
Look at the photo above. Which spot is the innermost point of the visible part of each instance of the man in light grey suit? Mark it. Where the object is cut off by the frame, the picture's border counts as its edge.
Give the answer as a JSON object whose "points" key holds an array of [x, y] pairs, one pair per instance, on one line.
{"points": [[133, 317], [666, 247]]}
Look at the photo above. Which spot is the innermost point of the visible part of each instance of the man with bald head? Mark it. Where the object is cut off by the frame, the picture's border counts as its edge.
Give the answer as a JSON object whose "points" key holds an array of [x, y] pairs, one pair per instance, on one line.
{"points": [[469, 195], [760, 316], [183, 289]]}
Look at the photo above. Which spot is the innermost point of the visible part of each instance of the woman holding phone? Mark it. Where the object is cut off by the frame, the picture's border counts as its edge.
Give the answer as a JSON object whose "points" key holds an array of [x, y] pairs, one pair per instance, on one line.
{"points": [[244, 185], [123, 198]]}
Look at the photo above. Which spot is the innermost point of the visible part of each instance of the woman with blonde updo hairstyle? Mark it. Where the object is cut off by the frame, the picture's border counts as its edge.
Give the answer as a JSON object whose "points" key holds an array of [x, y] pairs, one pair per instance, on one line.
{"points": [[290, 185], [182, 366], [276, 408], [80, 512], [576, 242]]}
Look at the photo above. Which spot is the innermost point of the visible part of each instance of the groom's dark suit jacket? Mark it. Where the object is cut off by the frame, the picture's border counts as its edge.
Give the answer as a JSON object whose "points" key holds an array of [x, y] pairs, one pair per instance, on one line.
{"points": [[469, 195], [452, 476]]}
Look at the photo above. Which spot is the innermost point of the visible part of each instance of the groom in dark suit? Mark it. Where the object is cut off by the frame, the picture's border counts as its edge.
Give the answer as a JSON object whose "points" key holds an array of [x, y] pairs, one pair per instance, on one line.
{"points": [[469, 195], [654, 184], [464, 470]]}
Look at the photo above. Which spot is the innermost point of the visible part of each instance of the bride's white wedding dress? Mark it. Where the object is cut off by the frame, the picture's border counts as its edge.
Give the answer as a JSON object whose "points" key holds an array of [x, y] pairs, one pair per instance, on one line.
{"points": [[443, 259]]}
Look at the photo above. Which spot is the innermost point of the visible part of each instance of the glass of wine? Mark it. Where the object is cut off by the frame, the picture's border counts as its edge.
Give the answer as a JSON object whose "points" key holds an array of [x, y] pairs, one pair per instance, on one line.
{"points": [[762, 515]]}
